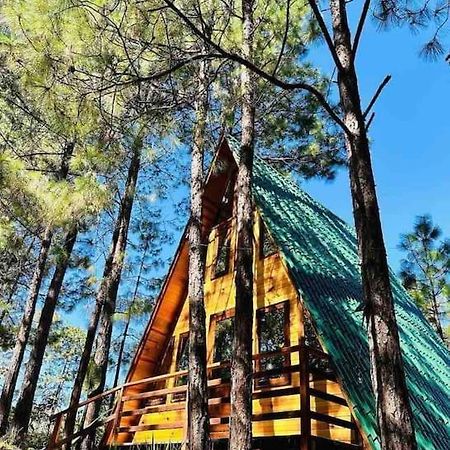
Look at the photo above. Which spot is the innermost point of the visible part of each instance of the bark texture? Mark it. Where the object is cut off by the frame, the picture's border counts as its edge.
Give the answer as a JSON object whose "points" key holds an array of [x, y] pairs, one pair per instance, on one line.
{"points": [[23, 334], [241, 368], [393, 407], [25, 401], [197, 381], [107, 294]]}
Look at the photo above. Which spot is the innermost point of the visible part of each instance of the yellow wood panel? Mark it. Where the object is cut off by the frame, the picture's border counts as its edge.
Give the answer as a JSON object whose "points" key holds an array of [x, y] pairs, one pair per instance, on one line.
{"points": [[330, 431], [159, 436], [282, 427], [331, 409], [276, 404], [163, 417]]}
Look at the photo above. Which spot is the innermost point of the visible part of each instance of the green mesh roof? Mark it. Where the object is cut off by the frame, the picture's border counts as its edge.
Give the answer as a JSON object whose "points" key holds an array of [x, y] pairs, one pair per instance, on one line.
{"points": [[321, 253]]}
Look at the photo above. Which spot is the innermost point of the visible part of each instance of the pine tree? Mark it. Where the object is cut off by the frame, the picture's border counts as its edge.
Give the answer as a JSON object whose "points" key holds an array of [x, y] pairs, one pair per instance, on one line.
{"points": [[425, 272]]}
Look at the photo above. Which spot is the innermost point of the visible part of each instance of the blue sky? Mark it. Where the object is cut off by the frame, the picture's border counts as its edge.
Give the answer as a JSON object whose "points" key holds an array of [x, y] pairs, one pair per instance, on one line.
{"points": [[410, 134]]}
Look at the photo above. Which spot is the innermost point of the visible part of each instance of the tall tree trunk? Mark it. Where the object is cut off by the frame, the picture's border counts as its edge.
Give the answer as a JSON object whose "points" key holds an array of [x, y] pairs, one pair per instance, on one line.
{"points": [[241, 368], [23, 334], [25, 401], [198, 378], [111, 281], [388, 377]]}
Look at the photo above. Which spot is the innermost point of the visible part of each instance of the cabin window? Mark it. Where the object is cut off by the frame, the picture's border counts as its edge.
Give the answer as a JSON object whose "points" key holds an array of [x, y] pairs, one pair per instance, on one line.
{"points": [[226, 205], [266, 244], [223, 342], [181, 364], [222, 262], [273, 334], [311, 340]]}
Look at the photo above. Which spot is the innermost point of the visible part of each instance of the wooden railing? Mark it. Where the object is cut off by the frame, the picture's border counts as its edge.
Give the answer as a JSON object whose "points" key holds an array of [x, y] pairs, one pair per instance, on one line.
{"points": [[310, 366]]}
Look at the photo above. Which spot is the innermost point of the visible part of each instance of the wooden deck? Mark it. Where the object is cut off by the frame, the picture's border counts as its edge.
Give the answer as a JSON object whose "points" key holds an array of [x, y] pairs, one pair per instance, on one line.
{"points": [[309, 406]]}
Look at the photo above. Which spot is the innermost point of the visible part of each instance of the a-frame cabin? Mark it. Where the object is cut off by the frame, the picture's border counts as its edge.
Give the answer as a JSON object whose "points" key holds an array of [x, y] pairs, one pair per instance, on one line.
{"points": [[312, 386]]}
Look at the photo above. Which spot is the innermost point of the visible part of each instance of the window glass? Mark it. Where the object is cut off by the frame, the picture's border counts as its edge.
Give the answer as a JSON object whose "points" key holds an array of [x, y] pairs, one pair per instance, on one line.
{"points": [[223, 254], [223, 340], [223, 345], [311, 340], [273, 335], [267, 245]]}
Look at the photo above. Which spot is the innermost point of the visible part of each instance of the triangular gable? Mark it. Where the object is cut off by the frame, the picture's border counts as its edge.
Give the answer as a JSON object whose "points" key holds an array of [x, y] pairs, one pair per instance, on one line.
{"points": [[320, 251]]}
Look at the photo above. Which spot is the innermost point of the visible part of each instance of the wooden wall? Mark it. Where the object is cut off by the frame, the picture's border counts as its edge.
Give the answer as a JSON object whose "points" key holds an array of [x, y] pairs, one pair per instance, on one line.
{"points": [[272, 285]]}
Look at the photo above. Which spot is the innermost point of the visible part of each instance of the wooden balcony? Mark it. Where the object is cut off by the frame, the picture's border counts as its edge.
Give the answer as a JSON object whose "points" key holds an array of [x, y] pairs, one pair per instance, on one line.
{"points": [[301, 400]]}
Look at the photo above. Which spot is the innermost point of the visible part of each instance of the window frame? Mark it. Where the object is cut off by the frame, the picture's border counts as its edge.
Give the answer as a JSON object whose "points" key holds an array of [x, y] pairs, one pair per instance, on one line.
{"points": [[284, 378], [263, 231], [214, 320], [223, 238]]}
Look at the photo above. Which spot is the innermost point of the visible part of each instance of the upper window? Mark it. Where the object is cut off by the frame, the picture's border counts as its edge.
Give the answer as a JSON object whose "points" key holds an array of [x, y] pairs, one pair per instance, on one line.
{"points": [[226, 204], [222, 260], [266, 244], [273, 335], [311, 340]]}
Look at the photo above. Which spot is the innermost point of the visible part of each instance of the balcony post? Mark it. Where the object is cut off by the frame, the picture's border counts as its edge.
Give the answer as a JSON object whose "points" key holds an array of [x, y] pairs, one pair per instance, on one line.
{"points": [[305, 416], [118, 413], [54, 437]]}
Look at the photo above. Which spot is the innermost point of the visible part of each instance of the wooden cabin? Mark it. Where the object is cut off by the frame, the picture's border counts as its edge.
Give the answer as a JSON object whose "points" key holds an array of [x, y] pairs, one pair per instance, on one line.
{"points": [[311, 382]]}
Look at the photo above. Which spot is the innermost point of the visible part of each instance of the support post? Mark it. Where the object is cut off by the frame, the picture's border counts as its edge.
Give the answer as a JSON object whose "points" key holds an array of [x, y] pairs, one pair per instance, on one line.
{"points": [[117, 414], [54, 437], [185, 443], [305, 407]]}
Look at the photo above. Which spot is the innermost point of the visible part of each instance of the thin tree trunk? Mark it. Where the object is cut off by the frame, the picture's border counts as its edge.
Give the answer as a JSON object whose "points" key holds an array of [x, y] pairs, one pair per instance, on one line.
{"points": [[15, 362], [25, 401], [435, 308], [241, 368], [75, 395], [128, 322], [198, 378], [121, 352], [111, 281], [393, 407]]}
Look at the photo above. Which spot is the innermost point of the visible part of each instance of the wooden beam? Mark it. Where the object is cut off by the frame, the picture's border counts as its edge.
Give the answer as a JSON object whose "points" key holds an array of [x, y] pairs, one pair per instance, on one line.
{"points": [[305, 413]]}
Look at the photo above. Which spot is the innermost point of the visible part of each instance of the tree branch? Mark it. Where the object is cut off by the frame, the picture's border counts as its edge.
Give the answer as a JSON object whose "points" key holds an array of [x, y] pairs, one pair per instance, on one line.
{"points": [[360, 28], [377, 94], [325, 32], [283, 44], [369, 122], [272, 79]]}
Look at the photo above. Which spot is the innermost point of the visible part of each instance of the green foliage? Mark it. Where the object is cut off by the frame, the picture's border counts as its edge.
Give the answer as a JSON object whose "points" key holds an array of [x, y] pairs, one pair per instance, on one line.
{"points": [[425, 272]]}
